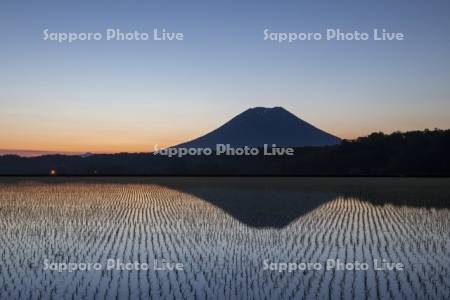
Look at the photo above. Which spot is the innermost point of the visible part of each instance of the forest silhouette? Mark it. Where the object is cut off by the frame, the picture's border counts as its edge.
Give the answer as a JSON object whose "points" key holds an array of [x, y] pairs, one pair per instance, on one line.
{"points": [[414, 153]]}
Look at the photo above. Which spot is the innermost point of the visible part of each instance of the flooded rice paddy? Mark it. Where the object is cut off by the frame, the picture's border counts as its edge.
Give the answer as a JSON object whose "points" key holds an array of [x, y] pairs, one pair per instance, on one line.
{"points": [[233, 237]]}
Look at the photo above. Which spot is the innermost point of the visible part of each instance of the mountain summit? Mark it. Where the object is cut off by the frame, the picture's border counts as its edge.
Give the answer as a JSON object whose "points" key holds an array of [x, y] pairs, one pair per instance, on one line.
{"points": [[258, 126]]}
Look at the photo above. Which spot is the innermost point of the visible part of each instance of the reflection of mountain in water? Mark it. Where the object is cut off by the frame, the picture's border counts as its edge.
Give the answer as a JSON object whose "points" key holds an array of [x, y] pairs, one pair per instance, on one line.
{"points": [[276, 202], [259, 208]]}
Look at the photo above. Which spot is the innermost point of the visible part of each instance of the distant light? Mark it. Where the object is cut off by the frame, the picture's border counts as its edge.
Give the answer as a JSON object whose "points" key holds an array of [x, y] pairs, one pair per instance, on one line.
{"points": [[53, 172]]}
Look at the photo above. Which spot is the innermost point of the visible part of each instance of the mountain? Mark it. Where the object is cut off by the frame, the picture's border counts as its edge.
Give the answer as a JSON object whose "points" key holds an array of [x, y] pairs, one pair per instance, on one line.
{"points": [[258, 126]]}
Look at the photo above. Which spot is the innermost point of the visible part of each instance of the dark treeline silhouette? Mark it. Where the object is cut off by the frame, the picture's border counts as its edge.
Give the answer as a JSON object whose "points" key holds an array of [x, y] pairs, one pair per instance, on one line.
{"points": [[415, 153]]}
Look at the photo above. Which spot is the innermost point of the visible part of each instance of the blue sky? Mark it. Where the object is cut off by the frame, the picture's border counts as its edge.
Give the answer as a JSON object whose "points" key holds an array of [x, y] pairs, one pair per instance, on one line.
{"points": [[128, 96]]}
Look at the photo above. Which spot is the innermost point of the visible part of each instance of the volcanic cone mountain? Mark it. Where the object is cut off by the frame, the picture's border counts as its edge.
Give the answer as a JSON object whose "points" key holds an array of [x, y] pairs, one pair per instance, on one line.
{"points": [[258, 126]]}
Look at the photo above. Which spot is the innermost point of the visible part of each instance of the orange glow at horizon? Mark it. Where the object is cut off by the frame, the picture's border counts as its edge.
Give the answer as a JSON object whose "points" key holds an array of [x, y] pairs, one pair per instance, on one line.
{"points": [[111, 144], [140, 135], [94, 144]]}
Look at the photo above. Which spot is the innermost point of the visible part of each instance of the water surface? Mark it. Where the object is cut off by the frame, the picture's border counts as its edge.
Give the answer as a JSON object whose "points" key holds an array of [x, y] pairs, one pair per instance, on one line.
{"points": [[222, 230]]}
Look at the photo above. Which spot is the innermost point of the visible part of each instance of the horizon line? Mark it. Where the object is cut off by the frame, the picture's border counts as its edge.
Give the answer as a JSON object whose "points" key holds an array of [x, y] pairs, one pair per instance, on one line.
{"points": [[37, 153]]}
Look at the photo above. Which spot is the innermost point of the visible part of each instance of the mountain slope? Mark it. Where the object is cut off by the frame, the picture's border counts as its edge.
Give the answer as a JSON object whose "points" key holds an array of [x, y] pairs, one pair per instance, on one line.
{"points": [[258, 126]]}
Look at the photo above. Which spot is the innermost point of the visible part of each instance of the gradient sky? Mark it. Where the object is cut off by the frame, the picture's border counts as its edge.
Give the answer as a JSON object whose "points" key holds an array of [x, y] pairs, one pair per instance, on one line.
{"points": [[104, 96]]}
